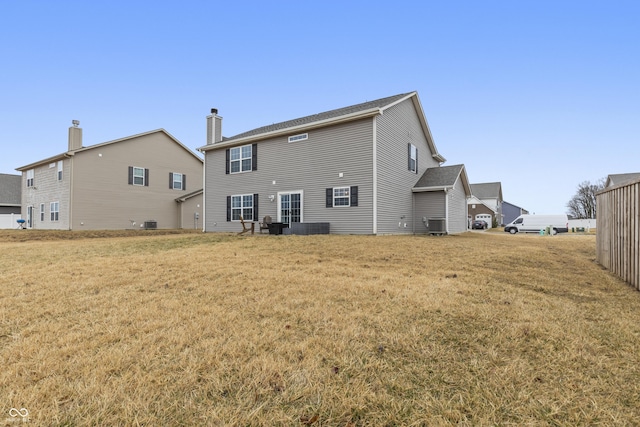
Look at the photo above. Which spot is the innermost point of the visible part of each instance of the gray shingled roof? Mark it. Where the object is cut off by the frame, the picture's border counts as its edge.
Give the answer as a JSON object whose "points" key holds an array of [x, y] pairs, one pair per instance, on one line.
{"points": [[440, 177], [378, 103], [10, 189], [619, 178], [488, 190]]}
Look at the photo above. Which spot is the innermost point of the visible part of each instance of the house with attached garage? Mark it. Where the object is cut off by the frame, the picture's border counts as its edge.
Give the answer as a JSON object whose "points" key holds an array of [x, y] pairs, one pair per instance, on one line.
{"points": [[370, 168], [135, 182], [485, 203], [10, 189]]}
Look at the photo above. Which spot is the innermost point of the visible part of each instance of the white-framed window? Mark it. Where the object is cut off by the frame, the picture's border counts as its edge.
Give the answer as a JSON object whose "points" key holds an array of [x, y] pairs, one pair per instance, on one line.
{"points": [[341, 196], [242, 204], [413, 158], [240, 159], [300, 137], [138, 176], [41, 212], [30, 177], [59, 170], [176, 181], [54, 209]]}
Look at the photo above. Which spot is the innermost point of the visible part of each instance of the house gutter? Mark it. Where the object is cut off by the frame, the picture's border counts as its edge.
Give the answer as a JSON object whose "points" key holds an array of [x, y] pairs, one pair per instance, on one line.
{"points": [[287, 131]]}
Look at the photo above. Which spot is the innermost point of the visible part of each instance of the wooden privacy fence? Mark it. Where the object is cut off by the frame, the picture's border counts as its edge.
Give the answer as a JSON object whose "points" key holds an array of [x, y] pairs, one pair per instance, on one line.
{"points": [[618, 232]]}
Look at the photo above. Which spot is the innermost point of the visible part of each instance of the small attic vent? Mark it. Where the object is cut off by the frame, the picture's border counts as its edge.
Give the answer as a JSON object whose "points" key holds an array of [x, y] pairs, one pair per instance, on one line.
{"points": [[300, 137]]}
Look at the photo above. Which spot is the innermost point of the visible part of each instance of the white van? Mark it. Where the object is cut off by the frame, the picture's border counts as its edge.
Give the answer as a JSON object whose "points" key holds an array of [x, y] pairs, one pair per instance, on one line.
{"points": [[535, 223]]}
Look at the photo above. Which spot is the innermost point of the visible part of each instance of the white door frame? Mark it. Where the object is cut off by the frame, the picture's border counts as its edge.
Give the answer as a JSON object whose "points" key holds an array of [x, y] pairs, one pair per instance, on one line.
{"points": [[279, 207]]}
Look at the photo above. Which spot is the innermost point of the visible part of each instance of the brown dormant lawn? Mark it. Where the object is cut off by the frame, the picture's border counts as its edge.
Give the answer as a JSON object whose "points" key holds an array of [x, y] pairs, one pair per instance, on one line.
{"points": [[143, 328]]}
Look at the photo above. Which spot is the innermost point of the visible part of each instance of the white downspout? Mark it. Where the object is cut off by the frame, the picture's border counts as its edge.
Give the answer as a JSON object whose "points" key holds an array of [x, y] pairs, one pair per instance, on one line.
{"points": [[446, 209], [375, 177], [204, 193]]}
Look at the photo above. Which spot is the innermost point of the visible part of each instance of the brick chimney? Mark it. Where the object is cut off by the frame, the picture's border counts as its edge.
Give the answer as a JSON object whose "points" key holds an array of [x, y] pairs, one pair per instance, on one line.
{"points": [[214, 127], [75, 136]]}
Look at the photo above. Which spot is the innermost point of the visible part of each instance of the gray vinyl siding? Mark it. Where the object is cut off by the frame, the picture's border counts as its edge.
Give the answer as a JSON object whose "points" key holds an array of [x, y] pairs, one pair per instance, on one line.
{"points": [[429, 204], [47, 188], [103, 198], [396, 128], [310, 165], [457, 209]]}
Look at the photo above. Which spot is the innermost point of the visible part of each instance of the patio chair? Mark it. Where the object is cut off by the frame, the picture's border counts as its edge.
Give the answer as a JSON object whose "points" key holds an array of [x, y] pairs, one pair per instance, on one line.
{"points": [[246, 226], [264, 225]]}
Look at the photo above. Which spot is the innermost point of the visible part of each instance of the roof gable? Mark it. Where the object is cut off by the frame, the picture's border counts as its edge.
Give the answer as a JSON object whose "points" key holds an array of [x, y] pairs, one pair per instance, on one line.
{"points": [[327, 118], [619, 178], [442, 178], [488, 190], [115, 141]]}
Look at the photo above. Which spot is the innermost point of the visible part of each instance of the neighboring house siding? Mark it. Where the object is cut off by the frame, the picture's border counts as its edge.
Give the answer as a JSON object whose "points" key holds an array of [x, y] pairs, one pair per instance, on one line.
{"points": [[428, 204], [310, 165], [396, 128], [103, 197], [47, 189], [457, 209]]}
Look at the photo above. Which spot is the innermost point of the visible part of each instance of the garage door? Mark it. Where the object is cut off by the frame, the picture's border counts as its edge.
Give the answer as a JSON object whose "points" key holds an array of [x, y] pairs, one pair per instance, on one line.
{"points": [[485, 217]]}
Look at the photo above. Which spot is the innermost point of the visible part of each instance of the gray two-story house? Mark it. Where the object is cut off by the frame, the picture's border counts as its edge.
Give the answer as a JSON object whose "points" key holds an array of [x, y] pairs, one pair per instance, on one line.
{"points": [[150, 179], [370, 168]]}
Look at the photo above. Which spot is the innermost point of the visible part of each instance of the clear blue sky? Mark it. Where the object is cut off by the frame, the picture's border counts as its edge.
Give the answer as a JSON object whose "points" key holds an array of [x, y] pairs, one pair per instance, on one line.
{"points": [[539, 95]]}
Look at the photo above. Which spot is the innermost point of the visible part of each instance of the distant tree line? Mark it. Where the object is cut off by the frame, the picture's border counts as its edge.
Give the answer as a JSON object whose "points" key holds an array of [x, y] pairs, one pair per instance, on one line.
{"points": [[583, 204]]}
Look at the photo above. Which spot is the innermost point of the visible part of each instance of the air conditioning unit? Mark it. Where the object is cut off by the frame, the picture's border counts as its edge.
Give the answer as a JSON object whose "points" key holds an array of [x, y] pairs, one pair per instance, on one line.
{"points": [[437, 226], [150, 225]]}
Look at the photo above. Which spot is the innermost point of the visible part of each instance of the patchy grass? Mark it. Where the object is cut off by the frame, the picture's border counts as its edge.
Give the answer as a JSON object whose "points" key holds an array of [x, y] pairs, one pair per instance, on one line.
{"points": [[221, 330]]}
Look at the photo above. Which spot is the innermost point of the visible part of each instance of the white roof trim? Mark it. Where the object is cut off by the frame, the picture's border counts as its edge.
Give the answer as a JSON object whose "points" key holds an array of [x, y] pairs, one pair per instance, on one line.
{"points": [[294, 129]]}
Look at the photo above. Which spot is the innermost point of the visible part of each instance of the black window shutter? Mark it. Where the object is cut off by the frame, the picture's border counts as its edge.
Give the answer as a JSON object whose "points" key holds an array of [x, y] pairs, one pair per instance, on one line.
{"points": [[228, 208], [228, 159], [329, 195], [130, 175], [170, 180], [416, 159], [354, 195], [146, 177], [254, 157], [255, 208], [409, 155], [184, 181]]}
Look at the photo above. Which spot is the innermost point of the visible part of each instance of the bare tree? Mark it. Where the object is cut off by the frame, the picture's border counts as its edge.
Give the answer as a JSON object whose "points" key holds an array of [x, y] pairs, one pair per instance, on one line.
{"points": [[583, 204]]}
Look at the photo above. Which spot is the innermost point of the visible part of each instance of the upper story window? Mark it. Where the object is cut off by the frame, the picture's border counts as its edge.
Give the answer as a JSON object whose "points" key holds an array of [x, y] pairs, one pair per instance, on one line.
{"points": [[30, 177], [413, 158], [177, 181], [138, 176], [242, 159], [60, 170], [300, 137]]}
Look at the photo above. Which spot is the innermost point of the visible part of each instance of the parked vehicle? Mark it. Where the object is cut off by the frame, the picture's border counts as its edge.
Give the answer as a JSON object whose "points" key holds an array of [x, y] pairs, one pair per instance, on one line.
{"points": [[479, 224], [535, 223]]}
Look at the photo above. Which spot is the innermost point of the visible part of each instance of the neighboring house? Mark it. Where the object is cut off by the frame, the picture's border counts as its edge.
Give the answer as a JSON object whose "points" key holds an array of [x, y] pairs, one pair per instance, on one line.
{"points": [[486, 203], [620, 178], [10, 200], [364, 169], [510, 212], [140, 180], [10, 193]]}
